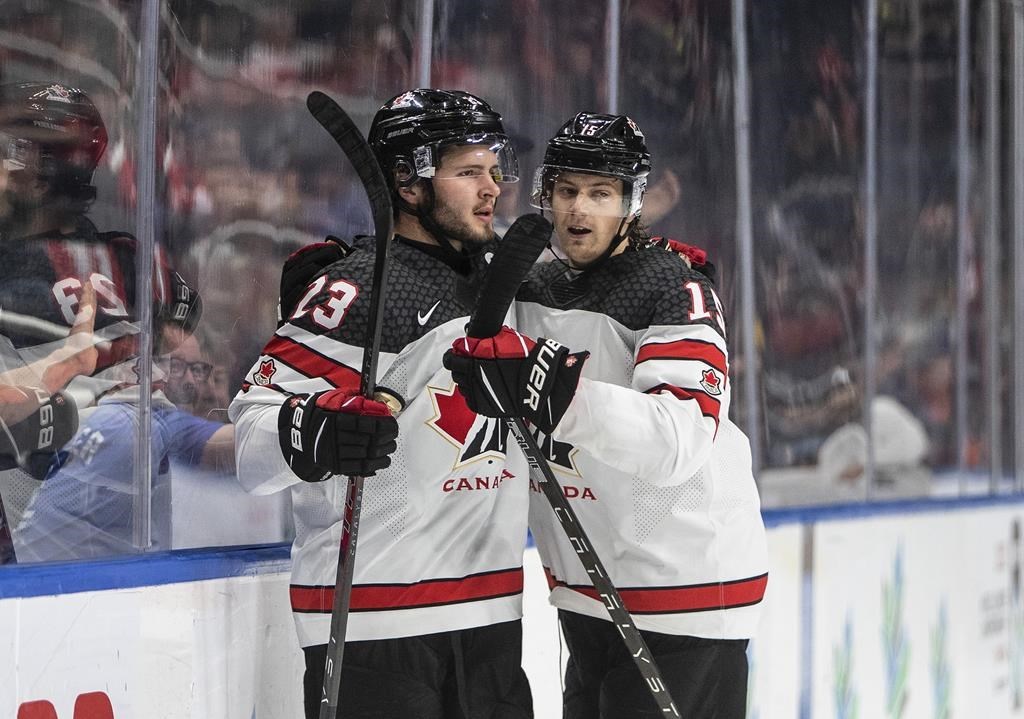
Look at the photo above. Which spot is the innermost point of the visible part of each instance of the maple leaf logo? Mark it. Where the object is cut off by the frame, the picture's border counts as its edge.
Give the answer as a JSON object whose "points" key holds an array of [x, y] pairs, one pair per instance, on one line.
{"points": [[263, 375], [560, 455], [476, 437], [711, 381], [58, 93]]}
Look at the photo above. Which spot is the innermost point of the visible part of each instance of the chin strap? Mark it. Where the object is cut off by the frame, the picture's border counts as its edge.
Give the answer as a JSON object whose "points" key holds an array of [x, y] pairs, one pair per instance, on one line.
{"points": [[620, 234]]}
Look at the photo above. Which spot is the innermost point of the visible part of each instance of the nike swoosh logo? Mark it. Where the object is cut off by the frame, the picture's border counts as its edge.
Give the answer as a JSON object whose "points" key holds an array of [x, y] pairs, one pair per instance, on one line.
{"points": [[422, 318]]}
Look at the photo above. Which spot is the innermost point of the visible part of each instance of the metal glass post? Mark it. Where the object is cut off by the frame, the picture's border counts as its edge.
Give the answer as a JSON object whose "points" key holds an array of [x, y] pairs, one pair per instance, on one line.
{"points": [[1018, 239], [992, 231], [613, 33], [147, 77], [744, 231], [963, 237], [425, 43], [870, 235]]}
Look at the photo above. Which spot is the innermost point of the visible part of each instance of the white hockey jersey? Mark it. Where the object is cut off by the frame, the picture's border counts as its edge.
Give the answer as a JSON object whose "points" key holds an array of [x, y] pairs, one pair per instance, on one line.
{"points": [[443, 529], [658, 475]]}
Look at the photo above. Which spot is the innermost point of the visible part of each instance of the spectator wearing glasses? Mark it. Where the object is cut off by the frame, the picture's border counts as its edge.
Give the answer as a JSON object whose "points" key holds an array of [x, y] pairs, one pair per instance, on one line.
{"points": [[186, 371], [86, 506]]}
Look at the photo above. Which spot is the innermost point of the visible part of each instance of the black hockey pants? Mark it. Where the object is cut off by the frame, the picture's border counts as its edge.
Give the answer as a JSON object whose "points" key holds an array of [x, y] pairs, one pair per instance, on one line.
{"points": [[707, 678], [468, 674]]}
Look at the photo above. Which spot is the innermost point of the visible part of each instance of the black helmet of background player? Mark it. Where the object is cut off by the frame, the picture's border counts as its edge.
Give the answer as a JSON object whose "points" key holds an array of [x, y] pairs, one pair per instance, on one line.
{"points": [[51, 137], [411, 131], [597, 144]]}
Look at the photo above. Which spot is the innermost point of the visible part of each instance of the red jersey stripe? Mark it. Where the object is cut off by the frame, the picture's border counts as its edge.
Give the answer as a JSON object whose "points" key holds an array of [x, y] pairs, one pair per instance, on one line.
{"points": [[312, 363], [684, 350], [428, 593], [679, 600], [709, 406]]}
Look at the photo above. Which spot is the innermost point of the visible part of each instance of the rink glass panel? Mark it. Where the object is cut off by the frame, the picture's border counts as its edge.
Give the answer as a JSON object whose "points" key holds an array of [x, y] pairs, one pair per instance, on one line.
{"points": [[918, 330], [92, 506], [806, 163], [253, 177], [243, 176]]}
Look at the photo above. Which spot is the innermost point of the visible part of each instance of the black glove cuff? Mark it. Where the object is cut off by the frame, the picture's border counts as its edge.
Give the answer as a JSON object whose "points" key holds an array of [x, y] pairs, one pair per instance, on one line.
{"points": [[550, 377], [34, 441], [292, 419]]}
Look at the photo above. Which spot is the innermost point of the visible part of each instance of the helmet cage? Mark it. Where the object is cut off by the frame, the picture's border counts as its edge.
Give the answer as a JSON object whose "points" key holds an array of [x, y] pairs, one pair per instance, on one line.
{"points": [[596, 144], [426, 159], [15, 152], [633, 189], [411, 131]]}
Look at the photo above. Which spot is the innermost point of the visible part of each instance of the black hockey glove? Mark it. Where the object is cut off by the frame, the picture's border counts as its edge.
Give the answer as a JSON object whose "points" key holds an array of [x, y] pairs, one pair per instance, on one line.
{"points": [[335, 432], [510, 375], [301, 268], [32, 443]]}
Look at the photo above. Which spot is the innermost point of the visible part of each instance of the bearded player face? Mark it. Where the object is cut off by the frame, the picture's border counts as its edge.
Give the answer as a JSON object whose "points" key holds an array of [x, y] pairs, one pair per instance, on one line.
{"points": [[465, 193]]}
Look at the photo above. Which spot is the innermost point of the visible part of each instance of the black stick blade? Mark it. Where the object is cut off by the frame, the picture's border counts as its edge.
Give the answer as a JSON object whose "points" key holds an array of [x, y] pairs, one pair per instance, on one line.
{"points": [[344, 132], [518, 250]]}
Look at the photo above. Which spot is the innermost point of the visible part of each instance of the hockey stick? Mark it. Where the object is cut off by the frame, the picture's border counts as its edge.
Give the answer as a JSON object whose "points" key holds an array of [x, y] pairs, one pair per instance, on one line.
{"points": [[499, 290], [344, 132]]}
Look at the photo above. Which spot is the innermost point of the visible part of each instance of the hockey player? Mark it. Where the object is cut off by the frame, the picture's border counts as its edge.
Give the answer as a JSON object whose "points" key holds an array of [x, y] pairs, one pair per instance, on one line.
{"points": [[436, 604], [642, 442], [67, 291]]}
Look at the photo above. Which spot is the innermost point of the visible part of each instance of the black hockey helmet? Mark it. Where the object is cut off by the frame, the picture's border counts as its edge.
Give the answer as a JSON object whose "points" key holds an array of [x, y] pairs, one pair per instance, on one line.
{"points": [[411, 130], [55, 130], [597, 144]]}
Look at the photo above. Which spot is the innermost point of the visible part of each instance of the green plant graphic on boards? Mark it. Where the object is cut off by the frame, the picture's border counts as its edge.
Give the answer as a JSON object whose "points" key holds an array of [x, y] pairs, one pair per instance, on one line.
{"points": [[895, 647], [842, 687], [941, 673]]}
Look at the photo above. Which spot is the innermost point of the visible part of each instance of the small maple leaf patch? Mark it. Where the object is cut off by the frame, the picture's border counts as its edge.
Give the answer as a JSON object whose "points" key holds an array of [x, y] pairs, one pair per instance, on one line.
{"points": [[265, 373], [711, 381]]}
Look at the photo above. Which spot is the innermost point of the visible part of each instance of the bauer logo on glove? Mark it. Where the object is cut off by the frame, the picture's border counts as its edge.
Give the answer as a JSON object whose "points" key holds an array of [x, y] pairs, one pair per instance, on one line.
{"points": [[511, 375], [539, 372]]}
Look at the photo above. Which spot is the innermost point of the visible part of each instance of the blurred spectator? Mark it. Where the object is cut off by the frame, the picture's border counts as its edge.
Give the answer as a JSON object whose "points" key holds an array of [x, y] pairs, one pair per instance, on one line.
{"points": [[238, 268], [68, 294], [185, 372], [933, 403], [809, 292], [214, 394], [89, 505]]}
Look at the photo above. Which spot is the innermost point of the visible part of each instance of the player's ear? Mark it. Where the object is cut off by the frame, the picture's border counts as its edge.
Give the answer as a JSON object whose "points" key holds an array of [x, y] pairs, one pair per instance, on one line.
{"points": [[413, 194]]}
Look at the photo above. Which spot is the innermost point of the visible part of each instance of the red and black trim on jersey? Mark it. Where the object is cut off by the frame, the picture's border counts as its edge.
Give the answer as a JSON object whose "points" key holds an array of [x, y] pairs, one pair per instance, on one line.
{"points": [[707, 353], [709, 406], [307, 361], [688, 349], [713, 596], [319, 599]]}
